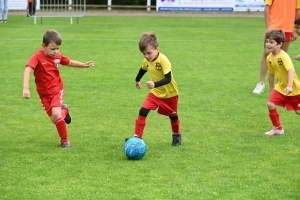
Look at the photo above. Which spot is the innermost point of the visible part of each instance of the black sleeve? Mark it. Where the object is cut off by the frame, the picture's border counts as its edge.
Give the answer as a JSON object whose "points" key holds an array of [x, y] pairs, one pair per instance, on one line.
{"points": [[140, 75], [164, 81]]}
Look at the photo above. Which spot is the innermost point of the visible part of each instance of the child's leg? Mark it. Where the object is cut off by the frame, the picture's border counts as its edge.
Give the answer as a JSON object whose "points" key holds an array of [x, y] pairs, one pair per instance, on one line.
{"points": [[274, 116], [140, 122], [175, 124], [59, 122]]}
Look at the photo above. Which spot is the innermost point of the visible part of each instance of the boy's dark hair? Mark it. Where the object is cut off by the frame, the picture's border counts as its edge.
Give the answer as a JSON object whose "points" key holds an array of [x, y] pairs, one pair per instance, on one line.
{"points": [[277, 35], [148, 39], [297, 21], [52, 36]]}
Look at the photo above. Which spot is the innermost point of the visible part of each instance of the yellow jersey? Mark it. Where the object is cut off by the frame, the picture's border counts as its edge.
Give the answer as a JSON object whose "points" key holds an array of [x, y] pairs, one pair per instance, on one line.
{"points": [[280, 65], [157, 70]]}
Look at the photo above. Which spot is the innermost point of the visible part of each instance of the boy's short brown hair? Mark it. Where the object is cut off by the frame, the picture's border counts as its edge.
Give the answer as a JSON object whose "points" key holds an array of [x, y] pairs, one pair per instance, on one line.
{"points": [[52, 36], [148, 39], [277, 35]]}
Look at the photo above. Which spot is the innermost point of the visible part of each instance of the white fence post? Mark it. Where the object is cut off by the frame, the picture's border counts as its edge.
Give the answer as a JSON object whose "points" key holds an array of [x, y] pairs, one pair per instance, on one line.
{"points": [[108, 4], [70, 4], [148, 4]]}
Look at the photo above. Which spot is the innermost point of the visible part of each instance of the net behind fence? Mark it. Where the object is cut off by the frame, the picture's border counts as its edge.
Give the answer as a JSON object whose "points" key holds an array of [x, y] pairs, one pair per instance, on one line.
{"points": [[56, 8]]}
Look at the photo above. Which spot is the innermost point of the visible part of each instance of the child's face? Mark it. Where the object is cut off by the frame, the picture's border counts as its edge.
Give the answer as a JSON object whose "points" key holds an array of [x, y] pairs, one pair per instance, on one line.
{"points": [[272, 45], [297, 29], [51, 50], [150, 53]]}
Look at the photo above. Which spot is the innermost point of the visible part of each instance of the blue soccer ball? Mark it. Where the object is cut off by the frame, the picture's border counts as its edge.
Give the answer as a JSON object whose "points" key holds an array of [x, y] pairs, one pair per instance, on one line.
{"points": [[135, 148]]}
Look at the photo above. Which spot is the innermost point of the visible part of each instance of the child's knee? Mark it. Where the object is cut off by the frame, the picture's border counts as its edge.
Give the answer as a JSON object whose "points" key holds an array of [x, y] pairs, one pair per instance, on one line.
{"points": [[271, 105], [297, 112]]}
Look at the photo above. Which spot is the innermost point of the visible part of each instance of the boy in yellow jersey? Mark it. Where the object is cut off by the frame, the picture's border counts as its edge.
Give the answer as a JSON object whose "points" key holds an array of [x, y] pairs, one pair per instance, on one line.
{"points": [[278, 15], [287, 89], [164, 90]]}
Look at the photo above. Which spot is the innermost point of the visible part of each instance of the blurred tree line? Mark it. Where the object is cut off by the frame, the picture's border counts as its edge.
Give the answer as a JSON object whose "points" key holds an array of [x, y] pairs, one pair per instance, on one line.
{"points": [[121, 2]]}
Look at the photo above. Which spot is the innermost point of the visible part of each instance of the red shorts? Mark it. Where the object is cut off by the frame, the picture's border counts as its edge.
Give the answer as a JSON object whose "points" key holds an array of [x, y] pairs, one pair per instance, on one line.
{"points": [[52, 100], [289, 102], [288, 36], [166, 107]]}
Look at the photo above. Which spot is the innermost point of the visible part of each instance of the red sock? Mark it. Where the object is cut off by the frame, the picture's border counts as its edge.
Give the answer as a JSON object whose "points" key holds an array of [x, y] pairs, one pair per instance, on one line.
{"points": [[140, 124], [61, 128], [274, 116], [175, 126]]}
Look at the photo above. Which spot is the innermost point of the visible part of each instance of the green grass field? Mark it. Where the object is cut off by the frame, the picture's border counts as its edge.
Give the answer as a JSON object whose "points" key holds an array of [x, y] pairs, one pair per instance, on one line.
{"points": [[224, 155]]}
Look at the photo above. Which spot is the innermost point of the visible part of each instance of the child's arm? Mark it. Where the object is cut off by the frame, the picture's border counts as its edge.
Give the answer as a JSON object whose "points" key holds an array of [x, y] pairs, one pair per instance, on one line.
{"points": [[77, 64], [164, 81], [289, 87], [140, 74], [271, 82], [26, 91]]}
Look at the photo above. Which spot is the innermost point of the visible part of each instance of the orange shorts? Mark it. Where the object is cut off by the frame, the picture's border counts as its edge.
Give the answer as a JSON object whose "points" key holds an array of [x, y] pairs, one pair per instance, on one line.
{"points": [[288, 102], [167, 107], [52, 100]]}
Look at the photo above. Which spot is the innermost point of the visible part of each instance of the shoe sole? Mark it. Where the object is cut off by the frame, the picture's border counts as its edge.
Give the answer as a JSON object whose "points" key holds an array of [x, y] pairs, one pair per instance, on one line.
{"points": [[274, 134], [258, 92]]}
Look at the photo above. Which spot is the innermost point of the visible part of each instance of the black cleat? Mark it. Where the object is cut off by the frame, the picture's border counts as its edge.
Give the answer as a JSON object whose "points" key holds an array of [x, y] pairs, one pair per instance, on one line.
{"points": [[176, 140], [68, 118]]}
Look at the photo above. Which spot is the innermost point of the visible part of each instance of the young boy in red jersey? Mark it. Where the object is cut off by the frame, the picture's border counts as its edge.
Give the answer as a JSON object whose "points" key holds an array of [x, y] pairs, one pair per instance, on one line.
{"points": [[287, 89], [44, 64], [164, 90]]}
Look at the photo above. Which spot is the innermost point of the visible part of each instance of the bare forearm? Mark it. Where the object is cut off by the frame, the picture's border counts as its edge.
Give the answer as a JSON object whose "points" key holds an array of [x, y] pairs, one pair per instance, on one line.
{"points": [[26, 79], [77, 64], [271, 82], [290, 77]]}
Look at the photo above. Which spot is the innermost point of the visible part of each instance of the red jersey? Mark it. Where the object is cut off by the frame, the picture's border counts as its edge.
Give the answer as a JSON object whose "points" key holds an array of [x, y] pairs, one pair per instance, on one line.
{"points": [[46, 73]]}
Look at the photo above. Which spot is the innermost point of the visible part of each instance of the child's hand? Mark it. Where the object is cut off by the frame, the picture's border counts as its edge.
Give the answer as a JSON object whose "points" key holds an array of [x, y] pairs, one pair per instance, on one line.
{"points": [[150, 84], [138, 85], [89, 63], [294, 36], [288, 90], [26, 94], [298, 57]]}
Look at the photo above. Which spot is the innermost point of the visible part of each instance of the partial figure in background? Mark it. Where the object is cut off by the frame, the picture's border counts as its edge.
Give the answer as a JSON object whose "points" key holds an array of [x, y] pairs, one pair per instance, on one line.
{"points": [[3, 10], [278, 15], [31, 7]]}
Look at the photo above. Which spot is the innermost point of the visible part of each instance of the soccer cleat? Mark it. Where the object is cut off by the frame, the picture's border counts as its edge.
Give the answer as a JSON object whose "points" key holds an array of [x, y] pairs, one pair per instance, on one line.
{"points": [[68, 118], [176, 139], [65, 143], [129, 138], [275, 131], [260, 88]]}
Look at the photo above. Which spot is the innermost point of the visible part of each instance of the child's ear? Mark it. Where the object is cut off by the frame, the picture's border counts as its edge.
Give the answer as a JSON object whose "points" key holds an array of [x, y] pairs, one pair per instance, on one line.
{"points": [[281, 43], [43, 45]]}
